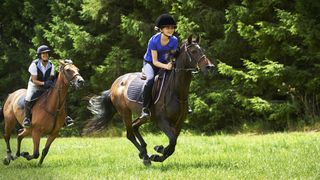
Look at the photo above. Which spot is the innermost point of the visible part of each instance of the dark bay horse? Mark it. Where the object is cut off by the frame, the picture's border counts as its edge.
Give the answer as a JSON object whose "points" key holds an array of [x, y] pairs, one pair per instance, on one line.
{"points": [[168, 113], [48, 113]]}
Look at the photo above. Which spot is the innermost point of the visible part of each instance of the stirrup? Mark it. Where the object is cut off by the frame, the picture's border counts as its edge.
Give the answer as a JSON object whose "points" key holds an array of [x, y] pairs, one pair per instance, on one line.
{"points": [[68, 121], [26, 123], [145, 113]]}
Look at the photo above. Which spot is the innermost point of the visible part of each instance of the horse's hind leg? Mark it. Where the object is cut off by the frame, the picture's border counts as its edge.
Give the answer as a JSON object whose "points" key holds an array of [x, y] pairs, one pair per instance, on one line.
{"points": [[45, 150], [36, 141], [135, 125], [7, 134], [130, 135]]}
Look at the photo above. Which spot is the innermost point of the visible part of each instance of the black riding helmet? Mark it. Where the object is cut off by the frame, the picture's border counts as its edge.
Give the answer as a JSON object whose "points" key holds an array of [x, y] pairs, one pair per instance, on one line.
{"points": [[42, 49], [165, 20]]}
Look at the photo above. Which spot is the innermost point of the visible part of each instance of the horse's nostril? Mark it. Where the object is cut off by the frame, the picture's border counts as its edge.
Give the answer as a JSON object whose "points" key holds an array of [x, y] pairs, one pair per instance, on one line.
{"points": [[80, 81]]}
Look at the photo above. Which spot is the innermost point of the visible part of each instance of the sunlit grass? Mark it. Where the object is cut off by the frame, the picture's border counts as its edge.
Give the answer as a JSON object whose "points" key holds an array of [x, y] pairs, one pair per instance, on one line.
{"points": [[272, 156]]}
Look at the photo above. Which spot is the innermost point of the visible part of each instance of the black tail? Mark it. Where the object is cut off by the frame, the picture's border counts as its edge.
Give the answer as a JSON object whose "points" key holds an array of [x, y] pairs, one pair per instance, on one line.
{"points": [[1, 115], [102, 109]]}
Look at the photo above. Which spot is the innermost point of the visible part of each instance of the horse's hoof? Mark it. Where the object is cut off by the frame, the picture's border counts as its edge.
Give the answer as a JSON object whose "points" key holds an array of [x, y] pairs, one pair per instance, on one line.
{"points": [[12, 158], [140, 156], [147, 162], [155, 158], [24, 154], [159, 149], [6, 161]]}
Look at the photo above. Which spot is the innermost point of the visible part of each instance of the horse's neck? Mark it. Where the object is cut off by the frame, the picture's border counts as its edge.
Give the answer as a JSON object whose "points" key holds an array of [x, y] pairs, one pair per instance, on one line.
{"points": [[57, 95], [181, 80]]}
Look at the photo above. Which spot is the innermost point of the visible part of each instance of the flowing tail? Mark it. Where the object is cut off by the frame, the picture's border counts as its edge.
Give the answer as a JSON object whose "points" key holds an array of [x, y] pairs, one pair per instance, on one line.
{"points": [[1, 115], [102, 109]]}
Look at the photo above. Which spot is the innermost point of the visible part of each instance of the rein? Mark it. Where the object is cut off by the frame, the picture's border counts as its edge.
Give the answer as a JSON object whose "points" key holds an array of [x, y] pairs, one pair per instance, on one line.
{"points": [[60, 102]]}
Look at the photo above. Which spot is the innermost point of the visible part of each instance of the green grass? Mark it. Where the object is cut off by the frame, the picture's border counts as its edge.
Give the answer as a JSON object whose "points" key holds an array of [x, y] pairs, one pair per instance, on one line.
{"points": [[272, 156]]}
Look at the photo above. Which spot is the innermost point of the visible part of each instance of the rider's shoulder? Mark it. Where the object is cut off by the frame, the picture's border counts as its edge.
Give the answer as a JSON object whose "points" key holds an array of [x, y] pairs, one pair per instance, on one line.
{"points": [[175, 38], [156, 37], [35, 61]]}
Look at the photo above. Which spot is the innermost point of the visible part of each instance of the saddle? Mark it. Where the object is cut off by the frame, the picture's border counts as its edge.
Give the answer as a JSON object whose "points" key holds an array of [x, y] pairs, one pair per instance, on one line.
{"points": [[34, 98], [136, 87]]}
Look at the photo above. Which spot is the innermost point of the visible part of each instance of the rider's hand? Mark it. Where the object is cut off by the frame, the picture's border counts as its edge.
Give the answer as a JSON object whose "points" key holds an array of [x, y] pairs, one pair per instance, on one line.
{"points": [[48, 84], [169, 66]]}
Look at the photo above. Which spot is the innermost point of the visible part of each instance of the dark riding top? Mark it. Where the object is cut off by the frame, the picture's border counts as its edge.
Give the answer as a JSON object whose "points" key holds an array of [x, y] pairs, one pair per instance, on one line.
{"points": [[42, 75]]}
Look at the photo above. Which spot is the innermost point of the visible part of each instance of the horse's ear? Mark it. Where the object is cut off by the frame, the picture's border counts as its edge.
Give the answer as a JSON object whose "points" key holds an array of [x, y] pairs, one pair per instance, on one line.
{"points": [[198, 39], [62, 63], [190, 39]]}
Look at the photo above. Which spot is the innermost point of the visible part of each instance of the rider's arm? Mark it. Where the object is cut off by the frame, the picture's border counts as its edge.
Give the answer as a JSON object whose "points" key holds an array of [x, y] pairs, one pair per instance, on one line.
{"points": [[35, 81], [158, 64], [33, 72]]}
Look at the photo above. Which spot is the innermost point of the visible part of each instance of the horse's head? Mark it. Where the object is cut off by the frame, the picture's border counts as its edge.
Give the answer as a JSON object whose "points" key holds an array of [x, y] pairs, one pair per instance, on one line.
{"points": [[195, 56], [71, 73]]}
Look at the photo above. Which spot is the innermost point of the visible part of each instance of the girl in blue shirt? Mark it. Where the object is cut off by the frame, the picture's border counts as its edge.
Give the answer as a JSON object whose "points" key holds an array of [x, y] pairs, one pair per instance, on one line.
{"points": [[159, 46]]}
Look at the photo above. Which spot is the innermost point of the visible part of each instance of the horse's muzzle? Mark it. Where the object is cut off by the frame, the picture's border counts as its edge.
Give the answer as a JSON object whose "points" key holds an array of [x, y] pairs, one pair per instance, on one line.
{"points": [[79, 82], [210, 68]]}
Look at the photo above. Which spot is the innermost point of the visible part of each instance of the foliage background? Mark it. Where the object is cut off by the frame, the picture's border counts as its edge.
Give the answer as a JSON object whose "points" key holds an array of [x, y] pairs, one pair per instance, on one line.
{"points": [[267, 54]]}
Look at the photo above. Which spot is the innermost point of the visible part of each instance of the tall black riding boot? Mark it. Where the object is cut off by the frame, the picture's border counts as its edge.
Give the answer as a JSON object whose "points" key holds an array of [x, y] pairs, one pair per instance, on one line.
{"points": [[147, 93], [27, 119]]}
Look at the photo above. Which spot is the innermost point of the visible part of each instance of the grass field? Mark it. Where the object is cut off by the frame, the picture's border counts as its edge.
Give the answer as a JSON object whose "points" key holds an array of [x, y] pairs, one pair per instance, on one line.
{"points": [[271, 156]]}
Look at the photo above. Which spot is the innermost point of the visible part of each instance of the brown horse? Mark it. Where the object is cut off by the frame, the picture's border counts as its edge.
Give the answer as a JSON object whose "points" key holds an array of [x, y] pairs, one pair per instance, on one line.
{"points": [[168, 113], [48, 113]]}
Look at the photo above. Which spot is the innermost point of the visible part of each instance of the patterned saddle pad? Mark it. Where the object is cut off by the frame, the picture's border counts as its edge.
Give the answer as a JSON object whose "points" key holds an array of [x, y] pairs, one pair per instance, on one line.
{"points": [[135, 89], [136, 86]]}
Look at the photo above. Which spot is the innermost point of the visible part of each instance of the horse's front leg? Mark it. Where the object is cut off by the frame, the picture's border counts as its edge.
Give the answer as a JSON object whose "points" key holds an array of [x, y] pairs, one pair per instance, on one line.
{"points": [[45, 150], [169, 150], [36, 141]]}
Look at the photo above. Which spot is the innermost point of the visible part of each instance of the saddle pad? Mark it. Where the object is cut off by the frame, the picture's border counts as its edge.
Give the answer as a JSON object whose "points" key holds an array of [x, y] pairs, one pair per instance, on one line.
{"points": [[21, 102], [136, 86], [35, 97], [135, 90]]}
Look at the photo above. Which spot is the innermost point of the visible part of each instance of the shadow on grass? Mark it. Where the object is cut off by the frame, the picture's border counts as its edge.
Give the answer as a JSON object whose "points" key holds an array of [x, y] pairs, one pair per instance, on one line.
{"points": [[227, 165], [24, 164]]}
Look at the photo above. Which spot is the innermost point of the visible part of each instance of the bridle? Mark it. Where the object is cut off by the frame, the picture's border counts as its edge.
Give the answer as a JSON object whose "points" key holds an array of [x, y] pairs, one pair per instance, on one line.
{"points": [[62, 69], [190, 58]]}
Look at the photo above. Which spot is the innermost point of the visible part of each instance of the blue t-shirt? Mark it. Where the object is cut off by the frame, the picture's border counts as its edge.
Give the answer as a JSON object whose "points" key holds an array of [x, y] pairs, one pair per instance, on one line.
{"points": [[155, 44]]}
